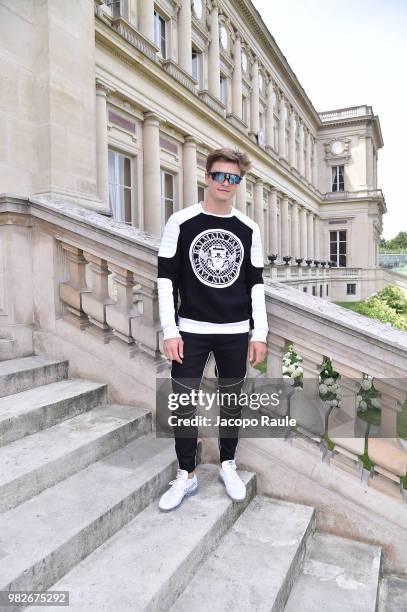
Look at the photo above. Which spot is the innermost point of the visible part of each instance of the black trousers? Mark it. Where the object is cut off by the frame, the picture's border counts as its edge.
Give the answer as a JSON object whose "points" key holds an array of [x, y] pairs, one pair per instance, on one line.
{"points": [[230, 354]]}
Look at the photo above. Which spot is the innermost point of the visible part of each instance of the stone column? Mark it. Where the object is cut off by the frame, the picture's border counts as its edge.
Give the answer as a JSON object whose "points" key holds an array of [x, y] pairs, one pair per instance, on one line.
{"points": [[184, 36], [146, 18], [101, 143], [281, 130], [258, 206], [285, 244], [303, 232], [151, 173], [308, 156], [292, 145], [314, 163], [254, 99], [270, 116], [241, 196], [310, 235], [237, 78], [295, 230], [317, 251], [273, 221], [301, 166], [190, 179], [213, 53]]}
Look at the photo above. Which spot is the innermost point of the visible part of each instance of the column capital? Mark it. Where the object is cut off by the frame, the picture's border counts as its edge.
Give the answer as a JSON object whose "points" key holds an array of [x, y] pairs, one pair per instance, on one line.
{"points": [[259, 181], [190, 140], [102, 87], [152, 117]]}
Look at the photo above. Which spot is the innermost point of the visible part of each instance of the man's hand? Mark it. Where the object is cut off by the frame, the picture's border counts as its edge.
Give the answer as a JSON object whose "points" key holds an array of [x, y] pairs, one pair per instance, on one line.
{"points": [[174, 349], [257, 351]]}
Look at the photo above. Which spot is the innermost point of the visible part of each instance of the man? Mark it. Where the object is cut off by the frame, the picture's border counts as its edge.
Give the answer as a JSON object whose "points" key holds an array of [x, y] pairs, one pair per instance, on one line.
{"points": [[212, 254]]}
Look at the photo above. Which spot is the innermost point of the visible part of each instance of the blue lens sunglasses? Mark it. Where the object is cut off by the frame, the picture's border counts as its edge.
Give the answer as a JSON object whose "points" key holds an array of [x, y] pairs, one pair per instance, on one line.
{"points": [[219, 177]]}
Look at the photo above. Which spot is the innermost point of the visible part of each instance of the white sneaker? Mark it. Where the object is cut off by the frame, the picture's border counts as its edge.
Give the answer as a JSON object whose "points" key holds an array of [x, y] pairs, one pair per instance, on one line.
{"points": [[235, 487], [180, 487]]}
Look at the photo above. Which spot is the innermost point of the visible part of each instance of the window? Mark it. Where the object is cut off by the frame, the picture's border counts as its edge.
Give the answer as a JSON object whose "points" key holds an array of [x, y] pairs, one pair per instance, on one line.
{"points": [[120, 188], [201, 193], [304, 289], [350, 288], [337, 244], [223, 89], [245, 112], [197, 66], [337, 178], [314, 290], [167, 196], [160, 33], [320, 291], [327, 290], [118, 8]]}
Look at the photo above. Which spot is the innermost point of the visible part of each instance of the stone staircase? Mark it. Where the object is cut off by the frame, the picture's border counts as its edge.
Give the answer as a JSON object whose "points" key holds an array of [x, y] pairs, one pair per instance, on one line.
{"points": [[79, 485]]}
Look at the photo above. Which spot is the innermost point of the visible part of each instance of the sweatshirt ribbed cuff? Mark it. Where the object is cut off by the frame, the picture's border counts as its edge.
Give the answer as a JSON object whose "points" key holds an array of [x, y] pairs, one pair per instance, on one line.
{"points": [[171, 331]]}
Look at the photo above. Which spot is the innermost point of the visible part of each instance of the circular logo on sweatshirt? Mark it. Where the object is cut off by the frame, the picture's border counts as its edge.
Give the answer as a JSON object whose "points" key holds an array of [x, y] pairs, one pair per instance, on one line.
{"points": [[216, 256]]}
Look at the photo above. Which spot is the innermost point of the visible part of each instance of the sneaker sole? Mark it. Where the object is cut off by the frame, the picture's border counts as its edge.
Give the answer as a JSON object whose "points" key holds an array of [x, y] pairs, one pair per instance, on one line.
{"points": [[187, 494], [240, 499]]}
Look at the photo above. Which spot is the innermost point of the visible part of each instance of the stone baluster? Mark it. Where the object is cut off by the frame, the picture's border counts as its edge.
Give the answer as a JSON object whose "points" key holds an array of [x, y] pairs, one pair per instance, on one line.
{"points": [[71, 291], [94, 303], [120, 314]]}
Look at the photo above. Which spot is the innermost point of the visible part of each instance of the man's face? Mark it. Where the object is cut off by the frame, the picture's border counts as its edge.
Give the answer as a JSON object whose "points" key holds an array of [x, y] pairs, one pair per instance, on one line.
{"points": [[223, 192]]}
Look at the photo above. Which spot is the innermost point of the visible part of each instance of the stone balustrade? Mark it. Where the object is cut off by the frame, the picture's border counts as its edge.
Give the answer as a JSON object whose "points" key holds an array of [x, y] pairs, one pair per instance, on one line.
{"points": [[72, 277]]}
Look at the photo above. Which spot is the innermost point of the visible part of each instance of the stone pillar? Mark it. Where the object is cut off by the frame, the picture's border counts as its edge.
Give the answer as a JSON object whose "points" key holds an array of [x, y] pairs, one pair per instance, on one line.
{"points": [[308, 167], [241, 196], [101, 143], [301, 166], [295, 230], [151, 173], [237, 78], [258, 206], [314, 163], [184, 36], [292, 145], [273, 221], [285, 244], [303, 233], [310, 235], [254, 99], [281, 130], [213, 53], [190, 179], [270, 116], [146, 18], [317, 251]]}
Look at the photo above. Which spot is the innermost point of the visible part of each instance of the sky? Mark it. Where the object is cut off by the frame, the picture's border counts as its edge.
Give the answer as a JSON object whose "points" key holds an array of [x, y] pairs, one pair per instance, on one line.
{"points": [[348, 54]]}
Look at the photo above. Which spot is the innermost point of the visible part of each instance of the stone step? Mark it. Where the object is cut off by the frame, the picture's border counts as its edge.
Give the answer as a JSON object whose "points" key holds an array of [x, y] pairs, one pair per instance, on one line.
{"points": [[18, 375], [35, 409], [150, 561], [33, 463], [393, 594], [338, 574], [256, 562], [47, 535]]}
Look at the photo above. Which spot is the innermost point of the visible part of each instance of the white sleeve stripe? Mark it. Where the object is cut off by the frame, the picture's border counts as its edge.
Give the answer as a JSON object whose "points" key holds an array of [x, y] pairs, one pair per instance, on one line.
{"points": [[169, 238], [256, 251], [166, 304], [259, 313]]}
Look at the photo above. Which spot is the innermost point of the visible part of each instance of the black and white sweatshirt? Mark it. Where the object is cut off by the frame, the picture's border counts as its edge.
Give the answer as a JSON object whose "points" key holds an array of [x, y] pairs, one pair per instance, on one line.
{"points": [[215, 262]]}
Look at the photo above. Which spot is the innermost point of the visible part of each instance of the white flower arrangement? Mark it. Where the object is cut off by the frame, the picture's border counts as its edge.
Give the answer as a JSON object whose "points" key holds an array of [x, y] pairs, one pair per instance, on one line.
{"points": [[367, 397], [293, 373], [329, 389]]}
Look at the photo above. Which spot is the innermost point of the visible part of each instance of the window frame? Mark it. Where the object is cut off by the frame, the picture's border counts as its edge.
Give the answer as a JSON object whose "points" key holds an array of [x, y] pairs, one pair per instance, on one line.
{"points": [[338, 182], [337, 241], [130, 188], [160, 19]]}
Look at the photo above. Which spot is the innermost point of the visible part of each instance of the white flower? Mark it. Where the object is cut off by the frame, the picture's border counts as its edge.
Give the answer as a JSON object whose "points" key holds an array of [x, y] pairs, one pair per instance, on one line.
{"points": [[329, 381], [367, 383], [323, 389], [375, 402], [358, 399], [363, 405], [291, 368], [298, 372], [334, 402]]}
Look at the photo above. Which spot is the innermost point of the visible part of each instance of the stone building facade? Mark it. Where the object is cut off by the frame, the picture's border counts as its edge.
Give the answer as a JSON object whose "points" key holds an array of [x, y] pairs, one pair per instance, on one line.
{"points": [[116, 103]]}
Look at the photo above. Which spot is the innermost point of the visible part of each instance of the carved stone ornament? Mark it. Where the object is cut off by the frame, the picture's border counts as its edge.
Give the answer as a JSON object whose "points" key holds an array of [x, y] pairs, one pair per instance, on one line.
{"points": [[337, 149]]}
